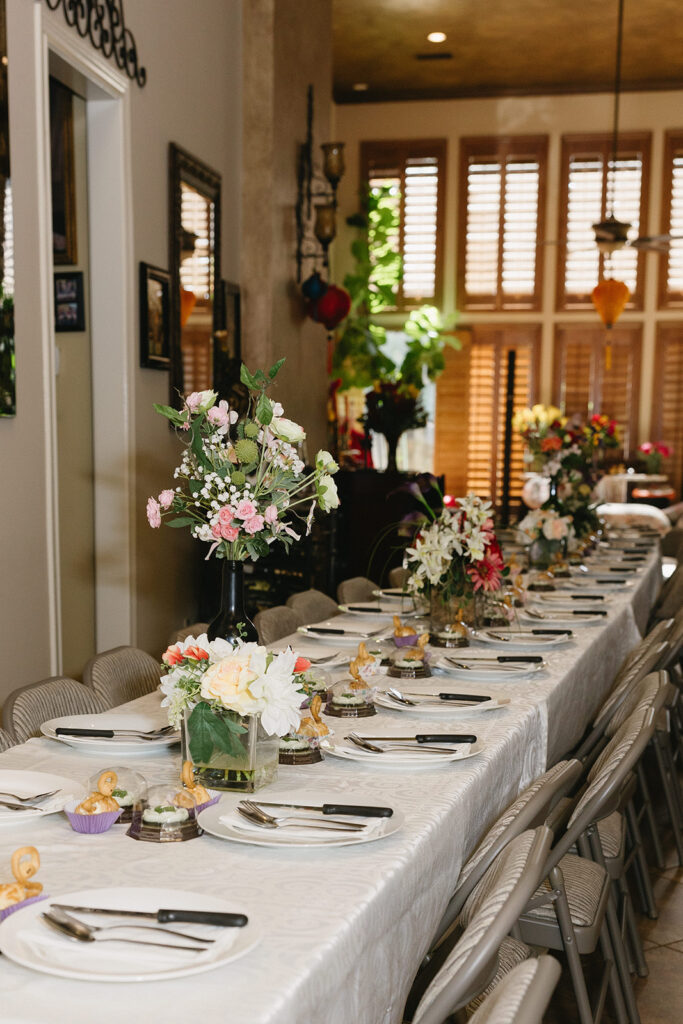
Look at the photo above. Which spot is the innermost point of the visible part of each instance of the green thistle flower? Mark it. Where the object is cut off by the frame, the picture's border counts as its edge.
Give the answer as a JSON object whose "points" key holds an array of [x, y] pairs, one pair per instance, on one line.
{"points": [[238, 478], [251, 430], [246, 451]]}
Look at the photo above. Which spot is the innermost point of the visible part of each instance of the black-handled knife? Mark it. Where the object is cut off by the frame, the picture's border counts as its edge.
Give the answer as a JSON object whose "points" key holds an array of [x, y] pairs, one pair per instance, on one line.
{"points": [[364, 608], [611, 581], [103, 733], [223, 920], [474, 698], [551, 632], [323, 629], [426, 738], [532, 658], [360, 810], [587, 611]]}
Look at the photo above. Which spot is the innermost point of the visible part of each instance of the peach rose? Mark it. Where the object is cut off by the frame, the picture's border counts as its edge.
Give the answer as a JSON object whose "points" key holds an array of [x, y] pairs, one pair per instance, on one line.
{"points": [[228, 681]]}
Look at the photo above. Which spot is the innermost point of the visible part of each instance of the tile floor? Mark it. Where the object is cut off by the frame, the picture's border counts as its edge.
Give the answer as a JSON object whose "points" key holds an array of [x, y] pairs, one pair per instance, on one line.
{"points": [[660, 995]]}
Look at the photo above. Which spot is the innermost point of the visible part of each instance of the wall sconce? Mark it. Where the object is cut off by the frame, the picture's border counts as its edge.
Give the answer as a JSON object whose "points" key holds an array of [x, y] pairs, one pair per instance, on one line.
{"points": [[316, 222]]}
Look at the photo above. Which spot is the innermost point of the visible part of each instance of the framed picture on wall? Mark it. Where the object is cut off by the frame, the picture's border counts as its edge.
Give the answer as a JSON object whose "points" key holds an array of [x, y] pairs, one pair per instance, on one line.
{"points": [[62, 168], [69, 301], [155, 323]]}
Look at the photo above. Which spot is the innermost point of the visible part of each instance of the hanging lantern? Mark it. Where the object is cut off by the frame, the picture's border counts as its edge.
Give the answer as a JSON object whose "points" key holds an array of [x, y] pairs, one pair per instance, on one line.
{"points": [[331, 308], [314, 287], [188, 300], [609, 298]]}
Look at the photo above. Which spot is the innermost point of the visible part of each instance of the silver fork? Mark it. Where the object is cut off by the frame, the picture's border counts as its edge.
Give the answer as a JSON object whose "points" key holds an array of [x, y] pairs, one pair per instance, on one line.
{"points": [[257, 816], [30, 799]]}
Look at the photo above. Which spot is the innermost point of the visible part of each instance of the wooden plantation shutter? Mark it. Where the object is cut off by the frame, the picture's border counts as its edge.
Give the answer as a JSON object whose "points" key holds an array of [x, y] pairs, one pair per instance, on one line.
{"points": [[502, 188], [667, 399], [671, 267], [417, 169], [470, 408], [590, 188], [582, 384]]}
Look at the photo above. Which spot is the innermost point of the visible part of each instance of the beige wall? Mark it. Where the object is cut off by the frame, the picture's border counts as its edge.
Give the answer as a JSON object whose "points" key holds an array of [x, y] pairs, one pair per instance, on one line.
{"points": [[554, 116], [287, 45]]}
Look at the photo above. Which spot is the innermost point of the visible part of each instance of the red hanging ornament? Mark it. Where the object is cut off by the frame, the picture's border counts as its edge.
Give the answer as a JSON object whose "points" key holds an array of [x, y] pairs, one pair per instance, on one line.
{"points": [[331, 308]]}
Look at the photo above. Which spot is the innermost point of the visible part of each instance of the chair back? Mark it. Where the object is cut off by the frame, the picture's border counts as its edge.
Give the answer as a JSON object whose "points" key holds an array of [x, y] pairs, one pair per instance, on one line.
{"points": [[26, 708], [529, 810], [649, 692], [312, 606], [672, 544], [358, 588], [398, 577], [274, 623], [492, 909], [522, 996], [651, 658], [670, 596], [122, 674], [601, 794], [6, 741], [195, 630]]}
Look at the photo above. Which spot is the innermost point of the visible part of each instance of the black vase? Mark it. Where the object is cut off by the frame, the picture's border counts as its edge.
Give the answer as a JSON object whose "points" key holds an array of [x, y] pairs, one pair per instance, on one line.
{"points": [[392, 446], [232, 622]]}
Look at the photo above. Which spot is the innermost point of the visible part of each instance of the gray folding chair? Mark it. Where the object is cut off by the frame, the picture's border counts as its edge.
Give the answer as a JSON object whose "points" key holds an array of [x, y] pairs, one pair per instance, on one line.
{"points": [[25, 710], [6, 741], [670, 597], [196, 629], [522, 996], [357, 589], [473, 965], [672, 544], [398, 577], [312, 606], [572, 911], [530, 809], [122, 674], [274, 623]]}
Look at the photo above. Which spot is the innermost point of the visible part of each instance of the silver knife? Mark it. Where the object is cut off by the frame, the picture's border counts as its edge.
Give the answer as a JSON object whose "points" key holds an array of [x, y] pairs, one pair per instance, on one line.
{"points": [[360, 810], [224, 920]]}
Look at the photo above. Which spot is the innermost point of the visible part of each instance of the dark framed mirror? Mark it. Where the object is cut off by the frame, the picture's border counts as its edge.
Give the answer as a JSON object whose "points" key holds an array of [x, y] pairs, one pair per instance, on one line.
{"points": [[195, 271]]}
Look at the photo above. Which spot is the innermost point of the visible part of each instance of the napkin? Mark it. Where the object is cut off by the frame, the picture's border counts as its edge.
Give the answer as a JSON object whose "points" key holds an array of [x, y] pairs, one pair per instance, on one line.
{"points": [[235, 820], [396, 754], [55, 803]]}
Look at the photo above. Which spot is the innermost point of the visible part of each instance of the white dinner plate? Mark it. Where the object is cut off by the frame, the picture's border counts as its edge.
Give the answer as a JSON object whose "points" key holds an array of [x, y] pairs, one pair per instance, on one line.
{"points": [[517, 639], [349, 634], [128, 745], [401, 759], [600, 583], [393, 594], [238, 832], [28, 940], [443, 708], [26, 783], [500, 673]]}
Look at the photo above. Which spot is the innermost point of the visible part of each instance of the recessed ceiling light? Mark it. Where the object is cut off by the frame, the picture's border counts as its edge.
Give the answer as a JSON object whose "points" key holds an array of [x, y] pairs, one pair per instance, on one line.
{"points": [[360, 86], [437, 37]]}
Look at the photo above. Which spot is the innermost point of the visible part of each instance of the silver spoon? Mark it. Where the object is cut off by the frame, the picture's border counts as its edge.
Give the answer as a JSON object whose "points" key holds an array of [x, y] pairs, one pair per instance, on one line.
{"points": [[82, 933], [74, 922], [257, 816]]}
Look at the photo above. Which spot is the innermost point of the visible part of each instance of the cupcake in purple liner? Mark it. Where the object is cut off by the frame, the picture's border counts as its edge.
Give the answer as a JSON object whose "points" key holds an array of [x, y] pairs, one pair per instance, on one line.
{"points": [[404, 636], [129, 789], [215, 797], [91, 824]]}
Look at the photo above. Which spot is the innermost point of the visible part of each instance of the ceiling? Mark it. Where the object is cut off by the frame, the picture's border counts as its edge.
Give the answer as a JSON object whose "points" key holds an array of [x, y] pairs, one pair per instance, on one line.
{"points": [[502, 47]]}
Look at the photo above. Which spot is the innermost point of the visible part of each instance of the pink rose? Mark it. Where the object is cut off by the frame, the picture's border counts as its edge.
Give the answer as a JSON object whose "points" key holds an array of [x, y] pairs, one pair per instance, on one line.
{"points": [[254, 525], [221, 416], [229, 533], [245, 510], [271, 515], [225, 514], [153, 513], [216, 531], [166, 498]]}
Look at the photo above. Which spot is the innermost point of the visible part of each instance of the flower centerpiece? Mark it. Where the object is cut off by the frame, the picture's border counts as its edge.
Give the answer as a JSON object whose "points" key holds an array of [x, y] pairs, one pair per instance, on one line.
{"points": [[542, 430], [454, 557], [547, 534], [232, 702], [653, 452], [240, 485]]}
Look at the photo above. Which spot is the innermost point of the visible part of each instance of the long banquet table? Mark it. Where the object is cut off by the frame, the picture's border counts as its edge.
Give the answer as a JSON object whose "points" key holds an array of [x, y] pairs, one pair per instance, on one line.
{"points": [[343, 928]]}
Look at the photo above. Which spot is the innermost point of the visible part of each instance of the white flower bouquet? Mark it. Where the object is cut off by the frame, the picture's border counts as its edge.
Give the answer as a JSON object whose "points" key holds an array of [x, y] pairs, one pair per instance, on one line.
{"points": [[544, 524], [219, 683], [241, 481]]}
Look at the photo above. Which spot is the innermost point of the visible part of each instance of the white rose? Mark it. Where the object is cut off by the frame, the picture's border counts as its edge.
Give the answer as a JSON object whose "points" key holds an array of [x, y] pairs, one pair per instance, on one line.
{"points": [[200, 401], [229, 680], [328, 498], [325, 463], [287, 430]]}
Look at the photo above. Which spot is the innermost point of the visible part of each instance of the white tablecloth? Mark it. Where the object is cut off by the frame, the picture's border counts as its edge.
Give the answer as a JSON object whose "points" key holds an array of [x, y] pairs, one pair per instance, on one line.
{"points": [[343, 929]]}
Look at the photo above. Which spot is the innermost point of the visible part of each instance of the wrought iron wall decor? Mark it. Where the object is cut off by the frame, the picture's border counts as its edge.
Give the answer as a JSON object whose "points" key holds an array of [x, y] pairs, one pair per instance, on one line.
{"points": [[103, 23], [316, 221]]}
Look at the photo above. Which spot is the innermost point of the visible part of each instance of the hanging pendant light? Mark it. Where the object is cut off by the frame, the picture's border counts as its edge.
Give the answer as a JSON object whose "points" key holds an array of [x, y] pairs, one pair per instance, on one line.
{"points": [[609, 298]]}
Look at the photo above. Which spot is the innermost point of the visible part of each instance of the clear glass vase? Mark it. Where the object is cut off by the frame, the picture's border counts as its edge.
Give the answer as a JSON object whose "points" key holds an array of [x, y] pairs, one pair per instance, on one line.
{"points": [[543, 553], [252, 763], [449, 614]]}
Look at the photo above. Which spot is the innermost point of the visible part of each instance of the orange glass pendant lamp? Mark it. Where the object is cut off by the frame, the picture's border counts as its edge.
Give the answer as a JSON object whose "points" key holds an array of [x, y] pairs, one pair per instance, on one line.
{"points": [[609, 298]]}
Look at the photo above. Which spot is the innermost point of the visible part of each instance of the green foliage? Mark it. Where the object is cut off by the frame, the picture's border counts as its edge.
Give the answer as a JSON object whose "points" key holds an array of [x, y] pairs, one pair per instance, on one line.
{"points": [[212, 730]]}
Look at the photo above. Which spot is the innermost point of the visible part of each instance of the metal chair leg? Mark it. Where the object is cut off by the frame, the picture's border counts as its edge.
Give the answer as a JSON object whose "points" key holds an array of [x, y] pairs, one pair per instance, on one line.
{"points": [[614, 985], [622, 965], [640, 864], [669, 797], [631, 929], [649, 814]]}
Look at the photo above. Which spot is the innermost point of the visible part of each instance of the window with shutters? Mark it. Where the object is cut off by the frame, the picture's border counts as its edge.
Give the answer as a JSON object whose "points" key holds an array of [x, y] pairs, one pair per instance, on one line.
{"points": [[585, 385], [501, 208], [671, 267], [416, 171], [667, 399], [470, 408], [592, 187]]}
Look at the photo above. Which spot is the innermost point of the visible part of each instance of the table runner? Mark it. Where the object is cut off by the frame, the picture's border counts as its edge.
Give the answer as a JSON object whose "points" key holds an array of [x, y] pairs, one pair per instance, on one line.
{"points": [[343, 928]]}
